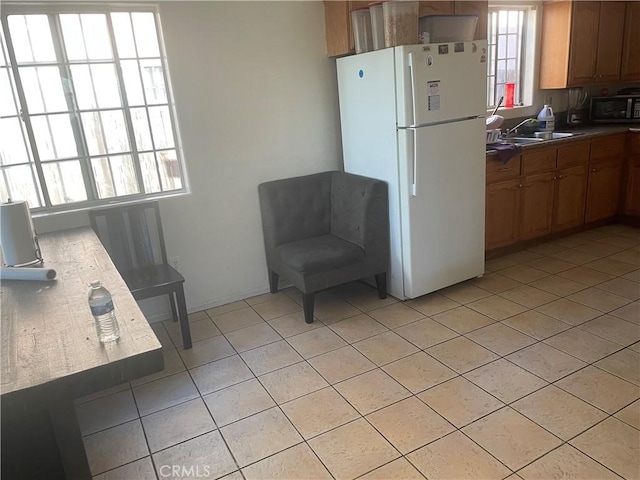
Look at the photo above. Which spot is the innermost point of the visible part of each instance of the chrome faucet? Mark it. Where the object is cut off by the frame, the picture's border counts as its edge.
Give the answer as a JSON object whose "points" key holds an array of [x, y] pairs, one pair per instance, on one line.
{"points": [[512, 131]]}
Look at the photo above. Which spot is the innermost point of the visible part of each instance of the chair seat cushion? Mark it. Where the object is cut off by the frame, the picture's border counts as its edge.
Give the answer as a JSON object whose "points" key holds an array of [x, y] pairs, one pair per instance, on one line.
{"points": [[318, 254], [151, 277]]}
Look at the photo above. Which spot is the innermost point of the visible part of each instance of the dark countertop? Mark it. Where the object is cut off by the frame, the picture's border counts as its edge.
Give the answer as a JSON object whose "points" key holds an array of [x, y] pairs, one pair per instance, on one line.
{"points": [[585, 132]]}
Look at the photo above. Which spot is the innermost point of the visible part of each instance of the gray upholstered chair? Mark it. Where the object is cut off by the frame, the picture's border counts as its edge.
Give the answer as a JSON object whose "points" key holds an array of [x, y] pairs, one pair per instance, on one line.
{"points": [[324, 230]]}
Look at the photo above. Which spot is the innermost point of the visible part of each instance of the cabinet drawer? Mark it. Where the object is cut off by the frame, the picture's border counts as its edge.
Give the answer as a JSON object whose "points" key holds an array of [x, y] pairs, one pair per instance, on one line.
{"points": [[607, 147], [540, 161], [498, 171], [573, 154]]}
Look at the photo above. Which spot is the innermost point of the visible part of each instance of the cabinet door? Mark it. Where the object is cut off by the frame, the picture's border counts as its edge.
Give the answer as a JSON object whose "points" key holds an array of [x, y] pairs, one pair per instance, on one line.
{"points": [[632, 197], [539, 161], [435, 8], [569, 198], [630, 68], [337, 24], [576, 153], [608, 147], [555, 44], [603, 189], [610, 32], [536, 205], [584, 43], [632, 191], [501, 213], [472, 7]]}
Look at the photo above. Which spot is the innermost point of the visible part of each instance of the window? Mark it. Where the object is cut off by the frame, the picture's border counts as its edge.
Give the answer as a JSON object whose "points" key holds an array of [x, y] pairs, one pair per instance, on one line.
{"points": [[86, 114], [509, 36]]}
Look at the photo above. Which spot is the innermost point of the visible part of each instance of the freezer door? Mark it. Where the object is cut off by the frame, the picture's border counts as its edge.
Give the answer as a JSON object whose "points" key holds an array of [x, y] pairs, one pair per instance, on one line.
{"points": [[442, 201], [441, 82]]}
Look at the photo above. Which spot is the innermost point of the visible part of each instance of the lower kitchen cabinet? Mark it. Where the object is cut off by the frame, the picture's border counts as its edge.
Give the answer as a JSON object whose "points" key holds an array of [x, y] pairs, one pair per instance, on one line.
{"points": [[605, 177], [547, 190], [502, 208], [569, 198], [536, 205], [571, 185], [632, 197], [632, 190], [603, 191]]}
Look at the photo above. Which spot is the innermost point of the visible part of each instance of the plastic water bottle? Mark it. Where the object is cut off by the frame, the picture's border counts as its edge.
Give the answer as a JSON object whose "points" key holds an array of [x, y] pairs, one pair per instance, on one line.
{"points": [[101, 306]]}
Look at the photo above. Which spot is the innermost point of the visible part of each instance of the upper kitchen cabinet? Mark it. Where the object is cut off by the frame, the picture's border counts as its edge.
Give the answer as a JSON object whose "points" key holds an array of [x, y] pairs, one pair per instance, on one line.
{"points": [[581, 43], [337, 24], [337, 17], [435, 8], [630, 68]]}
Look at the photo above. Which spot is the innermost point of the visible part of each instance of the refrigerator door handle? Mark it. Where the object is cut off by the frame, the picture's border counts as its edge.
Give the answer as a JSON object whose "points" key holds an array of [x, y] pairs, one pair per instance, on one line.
{"points": [[414, 178], [413, 88]]}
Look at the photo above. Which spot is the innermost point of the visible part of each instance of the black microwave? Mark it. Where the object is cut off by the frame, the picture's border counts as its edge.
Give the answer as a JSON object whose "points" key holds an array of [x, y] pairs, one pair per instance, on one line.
{"points": [[617, 108]]}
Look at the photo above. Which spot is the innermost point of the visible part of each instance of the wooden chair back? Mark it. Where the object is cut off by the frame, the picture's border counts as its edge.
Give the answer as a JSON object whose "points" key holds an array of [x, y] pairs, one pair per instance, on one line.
{"points": [[132, 234]]}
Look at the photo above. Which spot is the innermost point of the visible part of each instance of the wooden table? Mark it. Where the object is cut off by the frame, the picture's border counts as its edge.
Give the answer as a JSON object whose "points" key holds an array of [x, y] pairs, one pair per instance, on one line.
{"points": [[50, 354]]}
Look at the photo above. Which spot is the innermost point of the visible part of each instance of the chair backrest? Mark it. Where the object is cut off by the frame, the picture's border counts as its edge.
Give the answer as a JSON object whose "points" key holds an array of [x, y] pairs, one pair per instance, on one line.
{"points": [[356, 203], [132, 234], [295, 208]]}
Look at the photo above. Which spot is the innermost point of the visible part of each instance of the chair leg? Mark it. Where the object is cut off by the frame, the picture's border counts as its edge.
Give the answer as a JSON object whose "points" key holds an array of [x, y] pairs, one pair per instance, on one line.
{"points": [[307, 305], [273, 281], [184, 319], [174, 312], [381, 283]]}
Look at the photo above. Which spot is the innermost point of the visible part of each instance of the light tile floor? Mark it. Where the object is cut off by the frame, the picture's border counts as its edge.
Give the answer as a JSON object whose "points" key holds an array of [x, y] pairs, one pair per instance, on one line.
{"points": [[531, 371]]}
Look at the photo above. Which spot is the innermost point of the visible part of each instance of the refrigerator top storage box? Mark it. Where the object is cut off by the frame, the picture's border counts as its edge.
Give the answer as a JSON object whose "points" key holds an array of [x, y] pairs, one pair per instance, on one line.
{"points": [[449, 28], [400, 23], [377, 25], [361, 22]]}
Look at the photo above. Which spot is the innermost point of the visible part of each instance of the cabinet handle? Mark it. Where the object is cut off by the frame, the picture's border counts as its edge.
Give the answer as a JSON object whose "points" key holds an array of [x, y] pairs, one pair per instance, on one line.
{"points": [[594, 170], [555, 178], [520, 185], [559, 176]]}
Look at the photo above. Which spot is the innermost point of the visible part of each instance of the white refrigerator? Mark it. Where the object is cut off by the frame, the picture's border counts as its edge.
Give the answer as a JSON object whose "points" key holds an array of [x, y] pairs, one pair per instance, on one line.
{"points": [[414, 116]]}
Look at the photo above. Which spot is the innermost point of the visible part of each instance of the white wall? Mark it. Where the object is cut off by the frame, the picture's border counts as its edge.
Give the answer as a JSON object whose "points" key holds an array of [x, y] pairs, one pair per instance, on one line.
{"points": [[256, 99]]}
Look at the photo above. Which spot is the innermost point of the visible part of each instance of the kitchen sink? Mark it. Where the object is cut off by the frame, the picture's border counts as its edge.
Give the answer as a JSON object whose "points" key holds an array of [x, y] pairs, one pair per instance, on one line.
{"points": [[557, 135], [538, 137], [522, 140]]}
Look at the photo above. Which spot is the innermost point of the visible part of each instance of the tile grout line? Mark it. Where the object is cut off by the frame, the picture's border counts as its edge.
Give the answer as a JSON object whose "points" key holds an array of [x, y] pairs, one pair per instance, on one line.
{"points": [[130, 387]]}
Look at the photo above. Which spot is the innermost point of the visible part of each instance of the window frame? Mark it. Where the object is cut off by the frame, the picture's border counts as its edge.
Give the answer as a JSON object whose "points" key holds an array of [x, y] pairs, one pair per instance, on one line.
{"points": [[84, 157], [527, 55]]}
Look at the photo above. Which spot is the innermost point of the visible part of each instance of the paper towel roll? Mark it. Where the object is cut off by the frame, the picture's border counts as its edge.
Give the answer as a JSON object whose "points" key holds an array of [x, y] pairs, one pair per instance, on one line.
{"points": [[17, 236], [25, 273]]}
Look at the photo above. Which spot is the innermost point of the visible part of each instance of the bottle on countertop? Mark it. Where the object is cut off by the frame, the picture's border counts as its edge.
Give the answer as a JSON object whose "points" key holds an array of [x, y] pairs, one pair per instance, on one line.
{"points": [[102, 310], [547, 119]]}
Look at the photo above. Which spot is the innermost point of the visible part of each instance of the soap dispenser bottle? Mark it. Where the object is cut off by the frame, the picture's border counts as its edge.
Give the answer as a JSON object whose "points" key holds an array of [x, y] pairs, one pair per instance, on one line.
{"points": [[547, 119]]}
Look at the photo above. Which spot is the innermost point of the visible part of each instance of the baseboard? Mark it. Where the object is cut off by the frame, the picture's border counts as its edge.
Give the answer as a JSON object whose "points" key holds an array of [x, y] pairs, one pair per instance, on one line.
{"points": [[632, 221], [162, 316]]}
